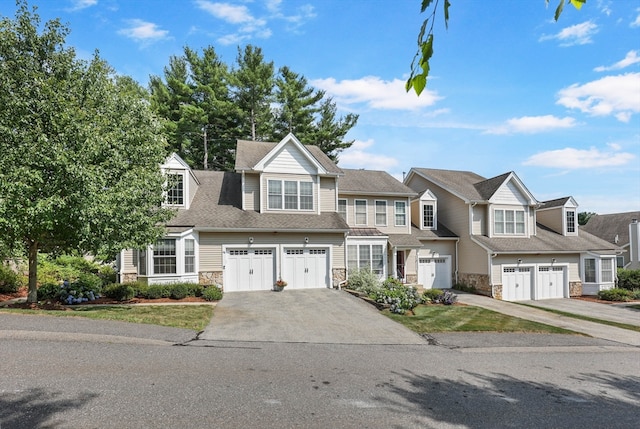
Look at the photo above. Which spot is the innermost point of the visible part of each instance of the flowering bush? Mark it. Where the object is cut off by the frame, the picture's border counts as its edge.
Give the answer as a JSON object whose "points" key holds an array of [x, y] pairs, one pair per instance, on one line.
{"points": [[398, 296], [363, 280], [88, 287], [281, 283]]}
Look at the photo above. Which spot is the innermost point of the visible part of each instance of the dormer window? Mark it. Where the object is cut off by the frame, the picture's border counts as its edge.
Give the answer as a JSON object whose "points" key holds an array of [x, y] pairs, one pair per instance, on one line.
{"points": [[290, 195], [571, 221], [428, 216], [175, 189], [508, 222]]}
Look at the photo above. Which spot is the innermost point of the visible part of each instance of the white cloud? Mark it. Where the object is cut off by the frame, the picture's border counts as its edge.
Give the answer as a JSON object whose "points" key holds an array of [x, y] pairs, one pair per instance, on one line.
{"points": [[579, 34], [611, 95], [227, 12], [357, 157], [572, 159], [636, 22], [532, 125], [375, 93], [143, 31], [81, 4], [630, 59]]}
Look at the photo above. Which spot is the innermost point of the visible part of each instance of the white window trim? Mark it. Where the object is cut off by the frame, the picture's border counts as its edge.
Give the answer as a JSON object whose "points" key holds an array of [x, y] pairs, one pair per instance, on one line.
{"points": [[423, 204], [355, 212], [375, 214], [185, 198], [395, 213], [180, 274], [566, 222], [504, 222], [370, 243], [283, 195], [598, 275], [346, 208]]}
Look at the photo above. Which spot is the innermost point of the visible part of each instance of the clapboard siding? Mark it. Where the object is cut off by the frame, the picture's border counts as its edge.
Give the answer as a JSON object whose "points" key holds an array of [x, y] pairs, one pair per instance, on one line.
{"points": [[291, 160], [251, 192], [327, 194]]}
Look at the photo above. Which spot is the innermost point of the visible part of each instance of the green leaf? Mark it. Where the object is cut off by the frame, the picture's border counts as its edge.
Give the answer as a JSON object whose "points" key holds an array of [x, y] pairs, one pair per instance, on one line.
{"points": [[419, 83], [578, 3], [422, 30], [446, 13], [559, 10], [427, 51], [425, 5]]}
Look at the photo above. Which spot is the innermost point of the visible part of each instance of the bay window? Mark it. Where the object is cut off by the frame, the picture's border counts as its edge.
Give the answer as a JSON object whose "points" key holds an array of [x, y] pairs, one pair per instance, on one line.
{"points": [[164, 256], [366, 256]]}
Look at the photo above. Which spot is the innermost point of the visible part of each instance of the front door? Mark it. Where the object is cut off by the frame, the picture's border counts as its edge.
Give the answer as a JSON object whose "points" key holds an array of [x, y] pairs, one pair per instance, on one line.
{"points": [[400, 265]]}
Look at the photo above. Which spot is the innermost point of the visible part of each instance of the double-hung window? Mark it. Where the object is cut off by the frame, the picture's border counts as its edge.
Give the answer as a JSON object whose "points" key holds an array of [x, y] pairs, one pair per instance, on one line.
{"points": [[381, 213], [164, 256], [571, 221], [361, 212], [401, 213], [428, 216], [590, 270], [508, 222], [606, 266], [189, 256], [342, 209], [290, 195], [175, 189]]}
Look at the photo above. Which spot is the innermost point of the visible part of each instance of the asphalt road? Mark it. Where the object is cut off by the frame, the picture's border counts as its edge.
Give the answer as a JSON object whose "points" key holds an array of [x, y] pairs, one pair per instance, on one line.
{"points": [[450, 381]]}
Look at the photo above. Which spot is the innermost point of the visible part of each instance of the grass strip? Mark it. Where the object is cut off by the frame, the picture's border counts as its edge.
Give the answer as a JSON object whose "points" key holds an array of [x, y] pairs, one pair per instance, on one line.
{"points": [[194, 317], [455, 318], [587, 318]]}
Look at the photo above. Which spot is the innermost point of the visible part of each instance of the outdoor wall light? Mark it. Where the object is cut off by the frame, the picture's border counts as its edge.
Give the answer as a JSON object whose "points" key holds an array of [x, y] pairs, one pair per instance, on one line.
{"points": [[250, 240], [306, 240], [519, 261], [553, 260]]}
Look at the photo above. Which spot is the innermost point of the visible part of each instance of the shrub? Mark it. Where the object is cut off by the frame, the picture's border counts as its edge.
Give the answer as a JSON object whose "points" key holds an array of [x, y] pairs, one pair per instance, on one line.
{"points": [[212, 293], [636, 294], [464, 288], [140, 288], [87, 288], [195, 289], [616, 294], [120, 291], [107, 274], [363, 280], [397, 295], [179, 290], [628, 279], [448, 298], [431, 295], [10, 281], [48, 291], [158, 291]]}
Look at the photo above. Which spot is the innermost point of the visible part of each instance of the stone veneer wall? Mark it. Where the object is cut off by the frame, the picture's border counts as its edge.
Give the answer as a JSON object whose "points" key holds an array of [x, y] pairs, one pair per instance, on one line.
{"points": [[575, 288], [128, 277], [207, 278], [412, 279], [339, 275], [478, 281]]}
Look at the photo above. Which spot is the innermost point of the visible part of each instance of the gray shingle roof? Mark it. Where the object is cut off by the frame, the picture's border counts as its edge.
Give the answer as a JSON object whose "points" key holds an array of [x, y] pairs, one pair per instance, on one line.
{"points": [[372, 182], [558, 202], [217, 205], [366, 232], [607, 226], [488, 187], [459, 182], [249, 153], [433, 234], [546, 241]]}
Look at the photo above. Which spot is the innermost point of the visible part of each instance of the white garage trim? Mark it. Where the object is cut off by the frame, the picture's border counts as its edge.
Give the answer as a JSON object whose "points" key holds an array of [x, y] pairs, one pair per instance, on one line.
{"points": [[534, 281], [247, 268], [305, 267], [434, 272]]}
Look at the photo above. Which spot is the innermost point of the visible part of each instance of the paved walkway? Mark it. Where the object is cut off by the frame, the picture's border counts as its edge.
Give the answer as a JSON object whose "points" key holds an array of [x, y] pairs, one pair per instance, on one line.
{"points": [[593, 329], [619, 313], [303, 316]]}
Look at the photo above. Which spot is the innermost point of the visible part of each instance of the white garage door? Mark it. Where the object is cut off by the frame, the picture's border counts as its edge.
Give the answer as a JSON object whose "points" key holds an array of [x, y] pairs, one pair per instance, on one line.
{"points": [[550, 282], [435, 273], [306, 268], [249, 269], [516, 283]]}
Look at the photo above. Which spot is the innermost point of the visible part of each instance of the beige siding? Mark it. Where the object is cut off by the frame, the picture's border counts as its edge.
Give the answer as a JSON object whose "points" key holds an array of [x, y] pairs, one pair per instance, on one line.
{"points": [[328, 194], [416, 215], [551, 218], [297, 177], [128, 263], [509, 194], [292, 160], [211, 245], [389, 227], [251, 192], [572, 261], [479, 220]]}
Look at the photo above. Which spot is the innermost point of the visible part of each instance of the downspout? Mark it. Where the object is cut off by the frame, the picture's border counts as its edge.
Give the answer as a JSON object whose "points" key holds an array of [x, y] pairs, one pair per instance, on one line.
{"points": [[456, 252]]}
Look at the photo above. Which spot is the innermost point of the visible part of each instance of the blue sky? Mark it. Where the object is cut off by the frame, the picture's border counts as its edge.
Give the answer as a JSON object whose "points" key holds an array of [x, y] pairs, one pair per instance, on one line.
{"points": [[510, 90]]}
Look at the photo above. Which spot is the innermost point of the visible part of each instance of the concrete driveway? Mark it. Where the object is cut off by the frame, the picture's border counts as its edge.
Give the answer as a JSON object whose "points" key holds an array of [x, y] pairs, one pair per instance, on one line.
{"points": [[620, 313], [303, 316]]}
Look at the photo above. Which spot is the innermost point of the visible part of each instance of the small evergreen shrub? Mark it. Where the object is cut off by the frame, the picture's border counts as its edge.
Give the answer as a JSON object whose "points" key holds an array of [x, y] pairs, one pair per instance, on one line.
{"points": [[431, 295], [363, 280], [107, 274], [179, 290], [120, 291], [48, 291], [616, 294], [195, 289], [158, 291], [10, 281], [212, 293], [397, 295], [636, 294], [628, 279], [140, 288]]}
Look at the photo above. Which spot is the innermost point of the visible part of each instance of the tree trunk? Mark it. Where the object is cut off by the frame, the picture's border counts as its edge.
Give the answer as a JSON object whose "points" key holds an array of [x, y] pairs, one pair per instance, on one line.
{"points": [[33, 272], [205, 163], [253, 125]]}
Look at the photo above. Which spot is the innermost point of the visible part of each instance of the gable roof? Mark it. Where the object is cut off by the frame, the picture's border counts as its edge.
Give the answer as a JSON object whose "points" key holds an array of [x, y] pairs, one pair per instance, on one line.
{"points": [[372, 182], [250, 153], [608, 226], [217, 205], [546, 241], [558, 202]]}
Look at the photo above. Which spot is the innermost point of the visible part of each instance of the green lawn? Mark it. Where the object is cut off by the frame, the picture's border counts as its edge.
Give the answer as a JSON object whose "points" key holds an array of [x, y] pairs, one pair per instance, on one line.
{"points": [[194, 317], [458, 318]]}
